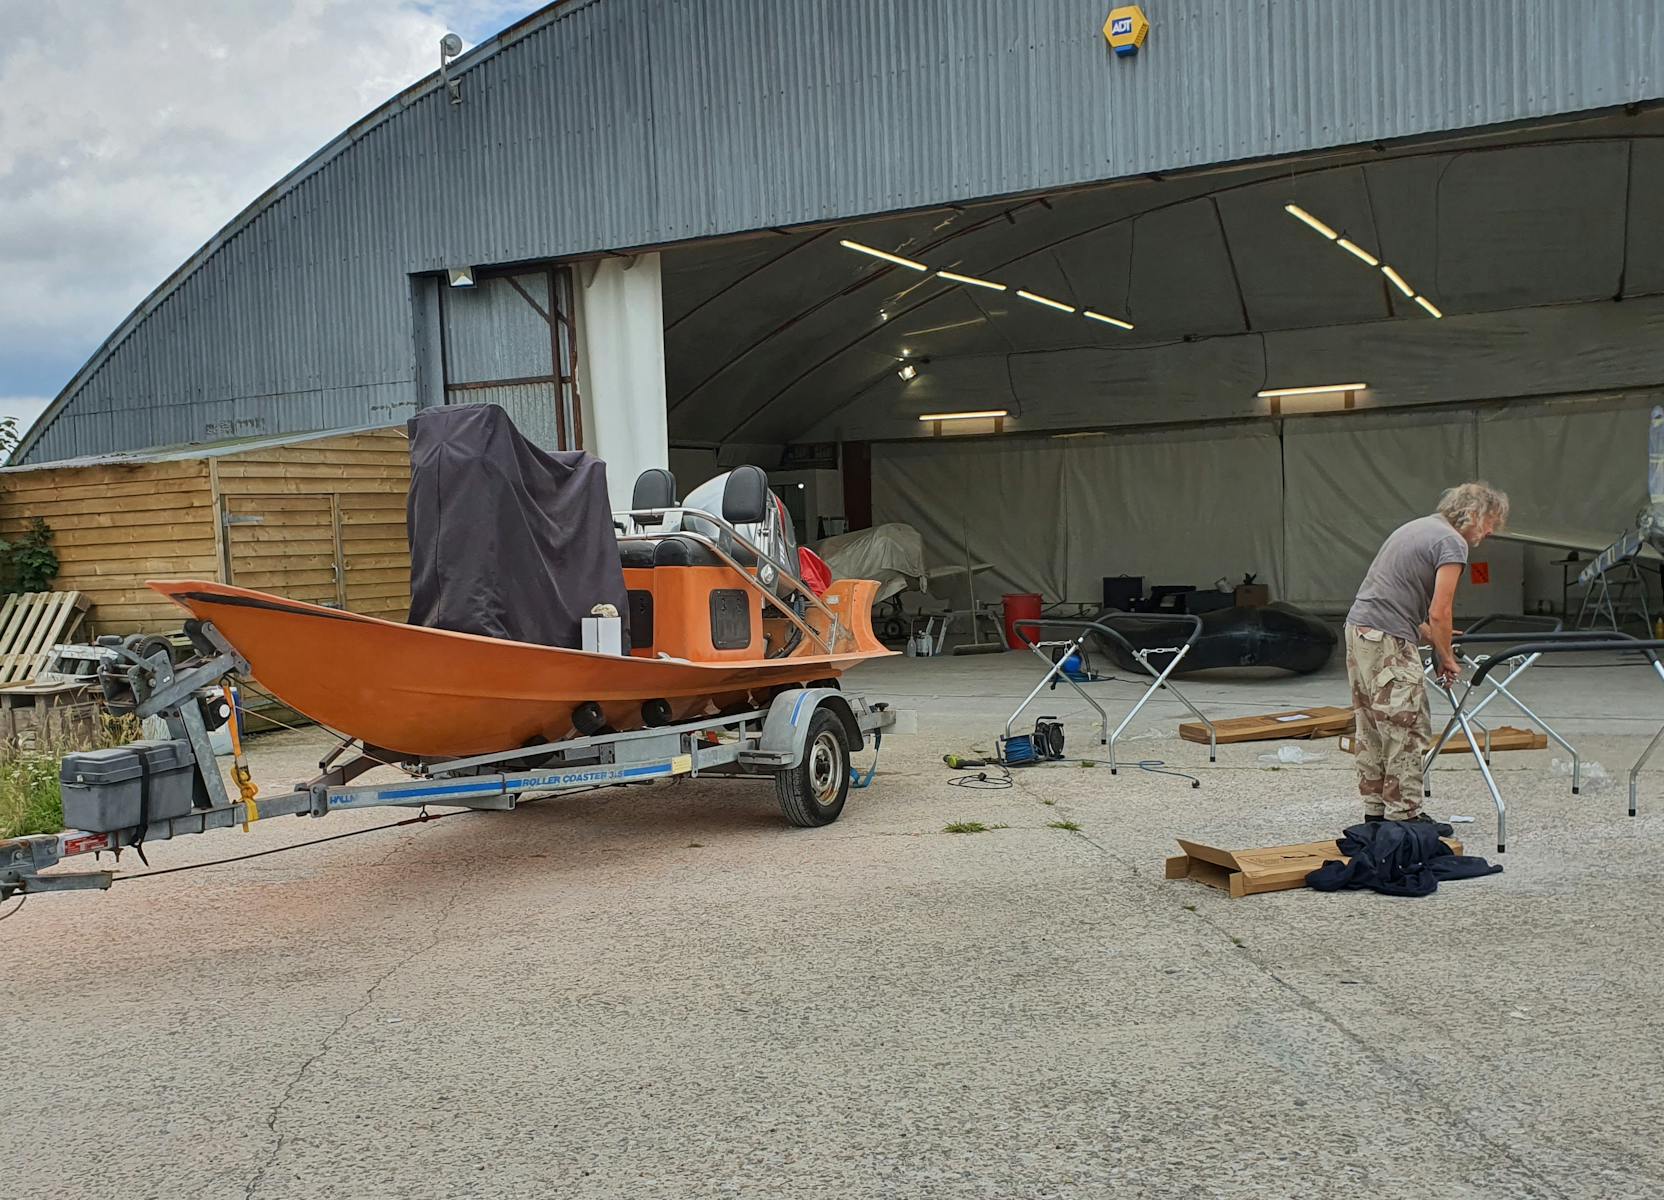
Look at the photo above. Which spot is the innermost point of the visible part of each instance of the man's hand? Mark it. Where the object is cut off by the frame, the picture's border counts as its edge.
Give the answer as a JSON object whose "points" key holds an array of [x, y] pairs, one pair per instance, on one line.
{"points": [[1449, 670]]}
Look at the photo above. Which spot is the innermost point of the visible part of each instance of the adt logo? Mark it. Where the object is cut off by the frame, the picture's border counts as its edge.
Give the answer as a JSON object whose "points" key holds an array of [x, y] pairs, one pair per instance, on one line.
{"points": [[1126, 29]]}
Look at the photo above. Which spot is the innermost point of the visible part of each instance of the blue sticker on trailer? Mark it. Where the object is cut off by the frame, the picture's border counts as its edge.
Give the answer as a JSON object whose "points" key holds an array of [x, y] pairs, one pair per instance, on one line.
{"points": [[515, 783]]}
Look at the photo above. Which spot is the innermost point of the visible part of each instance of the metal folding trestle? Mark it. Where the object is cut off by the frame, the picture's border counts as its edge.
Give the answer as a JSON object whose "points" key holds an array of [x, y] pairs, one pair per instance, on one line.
{"points": [[1159, 679]]}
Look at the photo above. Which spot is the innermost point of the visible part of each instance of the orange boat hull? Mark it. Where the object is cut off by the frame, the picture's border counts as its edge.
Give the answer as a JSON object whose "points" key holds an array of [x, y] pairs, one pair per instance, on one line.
{"points": [[431, 693]]}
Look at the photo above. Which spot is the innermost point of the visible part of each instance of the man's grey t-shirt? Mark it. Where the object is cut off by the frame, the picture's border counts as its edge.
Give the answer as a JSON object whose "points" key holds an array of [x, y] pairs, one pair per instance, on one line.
{"points": [[1398, 587]]}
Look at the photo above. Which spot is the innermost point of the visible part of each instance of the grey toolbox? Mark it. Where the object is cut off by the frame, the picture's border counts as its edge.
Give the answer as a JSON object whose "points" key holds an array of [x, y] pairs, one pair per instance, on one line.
{"points": [[105, 790]]}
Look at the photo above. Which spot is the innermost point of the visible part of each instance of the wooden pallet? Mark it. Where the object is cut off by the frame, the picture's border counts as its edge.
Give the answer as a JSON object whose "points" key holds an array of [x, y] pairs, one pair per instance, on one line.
{"points": [[1274, 727], [30, 625]]}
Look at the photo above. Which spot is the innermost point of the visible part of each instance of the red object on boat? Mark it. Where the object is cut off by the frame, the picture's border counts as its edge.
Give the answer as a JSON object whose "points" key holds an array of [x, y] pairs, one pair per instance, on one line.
{"points": [[1021, 606], [812, 569]]}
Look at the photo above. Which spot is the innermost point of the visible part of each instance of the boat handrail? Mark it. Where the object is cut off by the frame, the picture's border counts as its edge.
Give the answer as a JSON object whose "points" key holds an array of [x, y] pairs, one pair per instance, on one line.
{"points": [[835, 630]]}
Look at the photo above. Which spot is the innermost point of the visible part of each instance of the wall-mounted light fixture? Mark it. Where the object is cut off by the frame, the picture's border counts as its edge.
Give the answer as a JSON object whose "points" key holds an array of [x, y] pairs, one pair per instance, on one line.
{"points": [[899, 261], [908, 373], [996, 415], [955, 277], [1358, 252], [460, 277], [1046, 300], [1343, 396], [1098, 316]]}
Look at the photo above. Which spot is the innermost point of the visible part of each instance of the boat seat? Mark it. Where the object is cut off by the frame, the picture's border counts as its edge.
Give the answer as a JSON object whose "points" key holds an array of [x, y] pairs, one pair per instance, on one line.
{"points": [[672, 550]]}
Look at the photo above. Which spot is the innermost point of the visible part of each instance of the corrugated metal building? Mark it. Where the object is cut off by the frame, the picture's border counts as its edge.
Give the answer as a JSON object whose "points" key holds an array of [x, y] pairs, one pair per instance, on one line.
{"points": [[605, 125]]}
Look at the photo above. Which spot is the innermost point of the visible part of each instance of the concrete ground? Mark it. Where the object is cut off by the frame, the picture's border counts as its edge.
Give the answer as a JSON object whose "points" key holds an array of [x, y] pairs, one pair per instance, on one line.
{"points": [[667, 992]]}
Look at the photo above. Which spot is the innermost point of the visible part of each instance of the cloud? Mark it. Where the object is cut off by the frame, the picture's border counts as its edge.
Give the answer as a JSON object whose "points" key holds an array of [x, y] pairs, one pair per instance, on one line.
{"points": [[131, 132]]}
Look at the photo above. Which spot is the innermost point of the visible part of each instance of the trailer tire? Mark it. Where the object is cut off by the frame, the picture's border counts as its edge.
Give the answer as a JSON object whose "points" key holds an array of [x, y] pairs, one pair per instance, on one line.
{"points": [[813, 792]]}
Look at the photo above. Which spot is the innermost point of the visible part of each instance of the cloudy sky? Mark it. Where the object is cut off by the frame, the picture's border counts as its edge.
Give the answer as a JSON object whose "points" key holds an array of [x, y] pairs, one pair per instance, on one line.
{"points": [[132, 130]]}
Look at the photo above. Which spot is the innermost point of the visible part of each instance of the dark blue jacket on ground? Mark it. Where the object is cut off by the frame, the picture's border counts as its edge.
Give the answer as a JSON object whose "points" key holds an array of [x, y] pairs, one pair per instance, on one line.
{"points": [[1397, 858]]}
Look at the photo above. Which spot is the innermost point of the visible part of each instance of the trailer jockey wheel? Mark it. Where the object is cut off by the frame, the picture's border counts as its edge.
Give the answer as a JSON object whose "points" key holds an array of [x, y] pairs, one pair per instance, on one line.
{"points": [[813, 792]]}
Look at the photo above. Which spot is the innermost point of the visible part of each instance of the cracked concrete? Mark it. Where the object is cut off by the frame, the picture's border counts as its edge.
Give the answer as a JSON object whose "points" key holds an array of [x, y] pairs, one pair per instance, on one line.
{"points": [[668, 993]]}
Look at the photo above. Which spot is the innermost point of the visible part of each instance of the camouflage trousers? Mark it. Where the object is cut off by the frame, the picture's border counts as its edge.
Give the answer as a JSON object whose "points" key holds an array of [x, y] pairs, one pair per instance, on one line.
{"points": [[1393, 729]]}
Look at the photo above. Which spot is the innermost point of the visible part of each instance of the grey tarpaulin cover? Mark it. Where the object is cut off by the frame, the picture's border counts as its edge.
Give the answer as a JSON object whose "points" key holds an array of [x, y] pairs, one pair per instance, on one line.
{"points": [[506, 540]]}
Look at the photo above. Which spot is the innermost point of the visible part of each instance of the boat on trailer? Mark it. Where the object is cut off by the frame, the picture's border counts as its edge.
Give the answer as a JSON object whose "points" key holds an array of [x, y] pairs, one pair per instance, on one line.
{"points": [[731, 667]]}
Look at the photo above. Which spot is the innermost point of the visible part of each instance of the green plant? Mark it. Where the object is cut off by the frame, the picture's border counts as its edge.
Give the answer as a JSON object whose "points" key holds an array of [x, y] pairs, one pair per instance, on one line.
{"points": [[1068, 825], [8, 437], [30, 563], [965, 827], [29, 797]]}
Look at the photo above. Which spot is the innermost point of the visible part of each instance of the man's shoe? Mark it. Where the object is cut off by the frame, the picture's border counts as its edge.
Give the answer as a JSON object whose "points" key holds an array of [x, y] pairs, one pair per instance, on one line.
{"points": [[1372, 818]]}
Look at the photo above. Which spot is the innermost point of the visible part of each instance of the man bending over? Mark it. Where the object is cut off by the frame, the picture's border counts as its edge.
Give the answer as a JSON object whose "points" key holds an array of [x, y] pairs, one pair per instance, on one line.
{"points": [[1407, 599]]}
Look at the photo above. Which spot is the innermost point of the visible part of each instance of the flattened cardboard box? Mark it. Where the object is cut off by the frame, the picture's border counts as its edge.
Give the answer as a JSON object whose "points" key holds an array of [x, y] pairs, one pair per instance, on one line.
{"points": [[1249, 872], [1321, 722]]}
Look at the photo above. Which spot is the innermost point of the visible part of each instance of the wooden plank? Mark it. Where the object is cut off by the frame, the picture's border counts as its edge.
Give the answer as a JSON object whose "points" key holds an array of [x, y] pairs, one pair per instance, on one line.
{"points": [[1296, 723], [165, 501], [308, 486], [370, 576], [28, 498], [222, 557], [377, 591], [356, 561], [380, 456], [261, 505], [356, 548], [115, 535], [281, 471], [100, 476], [1503, 737]]}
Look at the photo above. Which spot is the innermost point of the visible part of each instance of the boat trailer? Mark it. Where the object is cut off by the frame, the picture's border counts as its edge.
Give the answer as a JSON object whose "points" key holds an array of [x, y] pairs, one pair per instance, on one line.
{"points": [[803, 738]]}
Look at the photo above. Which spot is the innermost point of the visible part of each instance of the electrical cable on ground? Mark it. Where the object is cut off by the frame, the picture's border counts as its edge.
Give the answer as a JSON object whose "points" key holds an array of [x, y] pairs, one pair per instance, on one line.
{"points": [[15, 907]]}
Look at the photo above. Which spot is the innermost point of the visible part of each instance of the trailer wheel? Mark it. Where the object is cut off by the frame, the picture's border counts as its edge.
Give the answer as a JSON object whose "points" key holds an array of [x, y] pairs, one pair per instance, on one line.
{"points": [[813, 792]]}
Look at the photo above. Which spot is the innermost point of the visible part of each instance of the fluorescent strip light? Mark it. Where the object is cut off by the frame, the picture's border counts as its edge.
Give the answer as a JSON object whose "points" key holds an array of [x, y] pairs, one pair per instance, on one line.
{"points": [[981, 414], [1354, 248], [970, 279], [884, 254], [1115, 321], [1300, 214], [1271, 393], [1397, 280], [1049, 303], [1428, 305]]}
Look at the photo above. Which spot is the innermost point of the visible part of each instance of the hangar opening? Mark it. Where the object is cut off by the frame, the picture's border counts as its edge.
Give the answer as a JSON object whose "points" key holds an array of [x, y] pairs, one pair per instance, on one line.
{"points": [[1246, 371]]}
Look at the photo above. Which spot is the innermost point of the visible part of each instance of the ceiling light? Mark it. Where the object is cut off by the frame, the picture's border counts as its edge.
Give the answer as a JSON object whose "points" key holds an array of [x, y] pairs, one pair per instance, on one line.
{"points": [[1300, 214], [908, 373], [884, 254], [955, 277], [1354, 248], [980, 414], [1115, 321], [1429, 306], [1049, 303], [1397, 280], [1271, 393]]}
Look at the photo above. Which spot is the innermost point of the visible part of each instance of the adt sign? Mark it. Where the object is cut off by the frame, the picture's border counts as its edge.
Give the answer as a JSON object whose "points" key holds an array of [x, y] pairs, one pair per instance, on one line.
{"points": [[1126, 29]]}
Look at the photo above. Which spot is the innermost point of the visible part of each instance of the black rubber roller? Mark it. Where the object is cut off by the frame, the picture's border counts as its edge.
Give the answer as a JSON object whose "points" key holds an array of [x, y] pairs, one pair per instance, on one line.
{"points": [[588, 719], [655, 712]]}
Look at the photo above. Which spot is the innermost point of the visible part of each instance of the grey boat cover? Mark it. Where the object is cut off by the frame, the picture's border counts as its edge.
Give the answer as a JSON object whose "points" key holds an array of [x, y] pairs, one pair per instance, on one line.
{"points": [[507, 540]]}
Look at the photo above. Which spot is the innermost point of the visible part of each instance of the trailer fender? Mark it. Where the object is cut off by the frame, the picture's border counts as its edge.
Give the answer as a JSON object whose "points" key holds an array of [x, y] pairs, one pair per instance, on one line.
{"points": [[786, 728]]}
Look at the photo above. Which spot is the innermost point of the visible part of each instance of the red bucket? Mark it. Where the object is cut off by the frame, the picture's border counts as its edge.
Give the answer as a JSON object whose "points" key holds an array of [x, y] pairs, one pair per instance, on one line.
{"points": [[1020, 606]]}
